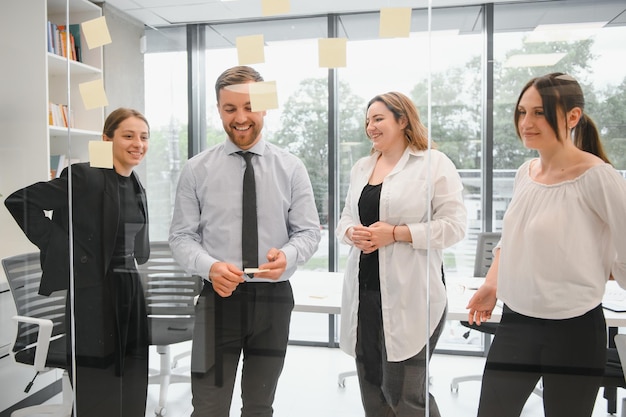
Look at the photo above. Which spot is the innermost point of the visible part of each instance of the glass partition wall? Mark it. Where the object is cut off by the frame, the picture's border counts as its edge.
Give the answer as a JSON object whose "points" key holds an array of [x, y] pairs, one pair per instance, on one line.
{"points": [[462, 66]]}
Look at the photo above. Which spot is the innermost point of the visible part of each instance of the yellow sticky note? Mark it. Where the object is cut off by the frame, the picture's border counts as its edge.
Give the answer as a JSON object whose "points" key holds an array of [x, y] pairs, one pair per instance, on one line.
{"points": [[272, 7], [263, 96], [101, 154], [332, 52], [93, 94], [395, 22], [96, 32], [250, 49]]}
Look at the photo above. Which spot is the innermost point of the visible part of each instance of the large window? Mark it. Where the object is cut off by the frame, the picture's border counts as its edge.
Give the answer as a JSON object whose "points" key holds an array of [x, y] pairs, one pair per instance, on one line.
{"points": [[444, 65]]}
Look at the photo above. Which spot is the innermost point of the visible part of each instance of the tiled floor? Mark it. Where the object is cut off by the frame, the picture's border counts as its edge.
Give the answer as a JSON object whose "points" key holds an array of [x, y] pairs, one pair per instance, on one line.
{"points": [[309, 388]]}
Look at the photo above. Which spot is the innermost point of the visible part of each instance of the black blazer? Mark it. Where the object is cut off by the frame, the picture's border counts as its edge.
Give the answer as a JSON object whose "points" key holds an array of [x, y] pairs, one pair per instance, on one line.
{"points": [[95, 215]]}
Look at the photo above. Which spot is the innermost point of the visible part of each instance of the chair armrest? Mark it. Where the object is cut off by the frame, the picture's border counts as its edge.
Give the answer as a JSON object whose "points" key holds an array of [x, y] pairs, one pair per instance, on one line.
{"points": [[43, 339]]}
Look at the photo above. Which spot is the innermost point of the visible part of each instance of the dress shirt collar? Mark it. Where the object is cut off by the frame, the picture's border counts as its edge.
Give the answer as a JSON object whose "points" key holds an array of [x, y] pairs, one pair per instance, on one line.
{"points": [[231, 148], [408, 152]]}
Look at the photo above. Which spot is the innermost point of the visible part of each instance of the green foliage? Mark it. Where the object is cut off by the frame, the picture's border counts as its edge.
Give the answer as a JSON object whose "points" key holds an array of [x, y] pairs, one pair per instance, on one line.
{"points": [[304, 131], [455, 121], [166, 155], [609, 114]]}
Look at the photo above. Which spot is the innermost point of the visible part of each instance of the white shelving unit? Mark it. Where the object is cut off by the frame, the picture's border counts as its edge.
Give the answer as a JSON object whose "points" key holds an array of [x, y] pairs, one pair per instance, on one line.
{"points": [[31, 78], [64, 78]]}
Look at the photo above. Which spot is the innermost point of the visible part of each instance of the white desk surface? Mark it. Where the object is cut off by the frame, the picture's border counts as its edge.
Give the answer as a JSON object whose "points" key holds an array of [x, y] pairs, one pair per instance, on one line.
{"points": [[317, 291], [461, 290], [320, 292]]}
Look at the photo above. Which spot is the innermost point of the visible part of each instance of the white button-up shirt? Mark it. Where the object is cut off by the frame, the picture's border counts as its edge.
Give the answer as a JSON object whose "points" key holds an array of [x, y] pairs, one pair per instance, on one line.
{"points": [[420, 181]]}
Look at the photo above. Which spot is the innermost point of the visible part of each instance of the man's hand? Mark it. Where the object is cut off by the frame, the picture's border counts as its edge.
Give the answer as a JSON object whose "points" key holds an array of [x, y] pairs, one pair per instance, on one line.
{"points": [[225, 278], [277, 263]]}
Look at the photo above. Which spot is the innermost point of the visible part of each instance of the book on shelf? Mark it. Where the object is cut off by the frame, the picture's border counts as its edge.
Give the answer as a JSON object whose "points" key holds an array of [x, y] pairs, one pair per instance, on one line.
{"points": [[75, 36], [64, 40], [60, 115], [58, 163], [51, 37]]}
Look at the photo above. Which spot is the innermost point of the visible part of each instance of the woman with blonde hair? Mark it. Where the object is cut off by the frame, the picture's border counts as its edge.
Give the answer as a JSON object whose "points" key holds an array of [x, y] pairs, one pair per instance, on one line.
{"points": [[403, 208]]}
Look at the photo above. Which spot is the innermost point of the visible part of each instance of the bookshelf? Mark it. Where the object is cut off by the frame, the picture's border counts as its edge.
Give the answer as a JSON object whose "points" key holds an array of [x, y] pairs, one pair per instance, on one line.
{"points": [[64, 77], [32, 78]]}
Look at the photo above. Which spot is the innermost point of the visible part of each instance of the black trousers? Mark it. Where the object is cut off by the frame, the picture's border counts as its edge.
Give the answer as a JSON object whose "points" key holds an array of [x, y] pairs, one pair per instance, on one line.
{"points": [[569, 355], [111, 347], [390, 389], [253, 320]]}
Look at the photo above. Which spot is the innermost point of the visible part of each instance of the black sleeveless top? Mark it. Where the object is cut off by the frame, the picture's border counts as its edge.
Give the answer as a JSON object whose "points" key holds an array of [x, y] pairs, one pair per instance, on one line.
{"points": [[369, 212]]}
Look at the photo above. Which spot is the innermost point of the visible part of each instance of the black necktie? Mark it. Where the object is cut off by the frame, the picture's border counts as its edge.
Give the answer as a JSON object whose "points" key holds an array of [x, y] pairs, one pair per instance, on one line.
{"points": [[249, 231]]}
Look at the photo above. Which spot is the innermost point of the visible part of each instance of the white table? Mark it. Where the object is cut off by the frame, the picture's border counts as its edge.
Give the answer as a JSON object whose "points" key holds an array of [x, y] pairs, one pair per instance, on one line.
{"points": [[318, 292], [460, 290]]}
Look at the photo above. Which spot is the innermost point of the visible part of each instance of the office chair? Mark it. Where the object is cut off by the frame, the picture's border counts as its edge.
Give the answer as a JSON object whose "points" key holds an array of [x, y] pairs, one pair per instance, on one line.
{"points": [[620, 347], [485, 243], [40, 341], [170, 299]]}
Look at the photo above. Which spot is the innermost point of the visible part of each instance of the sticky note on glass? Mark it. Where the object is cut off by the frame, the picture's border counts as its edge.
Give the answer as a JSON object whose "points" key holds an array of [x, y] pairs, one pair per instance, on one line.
{"points": [[101, 154], [395, 22], [272, 7], [250, 49], [332, 52], [96, 32], [93, 95], [263, 96]]}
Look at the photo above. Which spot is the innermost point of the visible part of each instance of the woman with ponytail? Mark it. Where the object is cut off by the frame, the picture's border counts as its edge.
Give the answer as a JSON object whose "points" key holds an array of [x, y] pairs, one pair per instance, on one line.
{"points": [[562, 238]]}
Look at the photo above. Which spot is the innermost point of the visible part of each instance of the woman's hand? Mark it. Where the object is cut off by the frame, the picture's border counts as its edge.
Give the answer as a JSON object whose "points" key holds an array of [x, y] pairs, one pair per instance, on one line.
{"points": [[361, 237], [372, 238], [481, 304]]}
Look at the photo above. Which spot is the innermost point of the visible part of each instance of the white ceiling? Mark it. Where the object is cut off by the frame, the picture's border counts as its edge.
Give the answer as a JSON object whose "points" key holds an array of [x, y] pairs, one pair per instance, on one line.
{"points": [[159, 13], [226, 16]]}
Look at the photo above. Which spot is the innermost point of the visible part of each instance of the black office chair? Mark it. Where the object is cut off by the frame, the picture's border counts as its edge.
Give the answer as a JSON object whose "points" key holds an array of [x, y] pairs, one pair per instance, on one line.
{"points": [[612, 379], [170, 298], [40, 341], [484, 257], [620, 347]]}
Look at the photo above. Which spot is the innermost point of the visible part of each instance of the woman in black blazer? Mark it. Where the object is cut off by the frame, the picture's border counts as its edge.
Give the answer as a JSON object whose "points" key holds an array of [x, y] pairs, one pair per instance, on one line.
{"points": [[109, 224]]}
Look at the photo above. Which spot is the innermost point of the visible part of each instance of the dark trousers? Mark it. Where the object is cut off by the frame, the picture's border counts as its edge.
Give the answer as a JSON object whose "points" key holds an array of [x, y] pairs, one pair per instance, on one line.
{"points": [[111, 347], [390, 389], [569, 355], [254, 320]]}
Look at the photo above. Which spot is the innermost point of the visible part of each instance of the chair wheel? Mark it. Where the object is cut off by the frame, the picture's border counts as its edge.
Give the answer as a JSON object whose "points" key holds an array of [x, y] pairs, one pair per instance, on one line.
{"points": [[160, 412]]}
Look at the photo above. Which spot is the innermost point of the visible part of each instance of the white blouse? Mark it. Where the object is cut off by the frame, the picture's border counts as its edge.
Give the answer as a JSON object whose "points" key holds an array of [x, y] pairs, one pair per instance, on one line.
{"points": [[560, 243]]}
